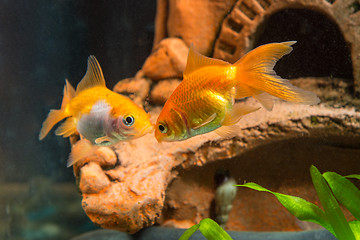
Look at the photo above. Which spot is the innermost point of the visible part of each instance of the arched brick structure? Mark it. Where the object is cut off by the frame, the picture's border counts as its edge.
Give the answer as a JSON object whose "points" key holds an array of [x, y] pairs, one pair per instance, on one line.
{"points": [[240, 26]]}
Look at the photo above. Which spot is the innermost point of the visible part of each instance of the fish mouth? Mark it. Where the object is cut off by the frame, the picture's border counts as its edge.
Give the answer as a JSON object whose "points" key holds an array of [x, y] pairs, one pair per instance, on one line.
{"points": [[147, 129], [158, 138]]}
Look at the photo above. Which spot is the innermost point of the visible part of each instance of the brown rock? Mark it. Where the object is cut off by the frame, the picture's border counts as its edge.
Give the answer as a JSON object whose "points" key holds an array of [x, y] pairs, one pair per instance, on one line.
{"points": [[197, 22], [162, 91], [136, 195], [168, 60], [92, 179], [160, 21], [136, 88], [107, 157], [103, 156]]}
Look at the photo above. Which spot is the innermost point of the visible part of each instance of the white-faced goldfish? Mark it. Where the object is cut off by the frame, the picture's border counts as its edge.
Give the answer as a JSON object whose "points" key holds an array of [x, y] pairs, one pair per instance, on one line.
{"points": [[205, 99], [98, 114]]}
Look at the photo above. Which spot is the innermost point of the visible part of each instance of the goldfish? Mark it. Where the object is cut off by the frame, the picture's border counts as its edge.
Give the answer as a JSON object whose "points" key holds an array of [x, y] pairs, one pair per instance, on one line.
{"points": [[205, 99], [99, 115]]}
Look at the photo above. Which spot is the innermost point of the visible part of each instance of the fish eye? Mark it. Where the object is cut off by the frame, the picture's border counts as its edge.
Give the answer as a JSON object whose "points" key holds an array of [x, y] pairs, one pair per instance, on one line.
{"points": [[163, 128], [128, 120]]}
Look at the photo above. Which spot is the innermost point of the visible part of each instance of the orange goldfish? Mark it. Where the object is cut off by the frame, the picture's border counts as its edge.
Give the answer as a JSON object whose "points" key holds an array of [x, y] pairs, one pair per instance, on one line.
{"points": [[205, 99], [99, 115]]}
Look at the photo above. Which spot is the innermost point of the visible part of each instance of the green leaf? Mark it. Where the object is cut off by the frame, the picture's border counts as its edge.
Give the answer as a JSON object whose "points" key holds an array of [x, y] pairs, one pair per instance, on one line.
{"points": [[300, 208], [355, 227], [332, 210], [209, 228], [187, 234], [357, 176], [212, 231], [345, 192]]}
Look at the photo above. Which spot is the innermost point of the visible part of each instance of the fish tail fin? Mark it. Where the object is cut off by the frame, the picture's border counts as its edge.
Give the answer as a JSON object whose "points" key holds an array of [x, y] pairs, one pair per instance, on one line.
{"points": [[81, 150], [56, 116], [256, 75], [53, 118]]}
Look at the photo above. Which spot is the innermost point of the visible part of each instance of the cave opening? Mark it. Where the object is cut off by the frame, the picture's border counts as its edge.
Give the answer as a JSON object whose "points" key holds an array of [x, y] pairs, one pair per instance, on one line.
{"points": [[281, 166], [320, 51]]}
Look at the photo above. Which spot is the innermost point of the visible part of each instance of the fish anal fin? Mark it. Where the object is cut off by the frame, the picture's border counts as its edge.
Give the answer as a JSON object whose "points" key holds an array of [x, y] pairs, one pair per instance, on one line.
{"points": [[235, 114], [228, 131], [208, 120], [266, 100], [67, 128], [196, 61], [80, 151], [93, 77]]}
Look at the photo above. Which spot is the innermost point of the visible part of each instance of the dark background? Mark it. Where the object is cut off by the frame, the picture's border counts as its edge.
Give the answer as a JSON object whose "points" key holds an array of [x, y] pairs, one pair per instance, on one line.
{"points": [[42, 42]]}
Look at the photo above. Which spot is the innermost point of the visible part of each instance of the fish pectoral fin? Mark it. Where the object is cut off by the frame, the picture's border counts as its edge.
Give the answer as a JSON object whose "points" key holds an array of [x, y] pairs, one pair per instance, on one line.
{"points": [[266, 100], [208, 120], [228, 131], [196, 61], [67, 128], [105, 140], [93, 76], [236, 113]]}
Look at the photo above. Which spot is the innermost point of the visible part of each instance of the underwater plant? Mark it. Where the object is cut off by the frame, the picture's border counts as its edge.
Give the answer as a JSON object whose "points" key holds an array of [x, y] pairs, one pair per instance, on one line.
{"points": [[209, 228], [332, 189]]}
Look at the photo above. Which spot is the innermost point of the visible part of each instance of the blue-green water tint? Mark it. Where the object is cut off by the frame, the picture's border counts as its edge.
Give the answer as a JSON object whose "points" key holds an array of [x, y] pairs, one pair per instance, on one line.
{"points": [[42, 42]]}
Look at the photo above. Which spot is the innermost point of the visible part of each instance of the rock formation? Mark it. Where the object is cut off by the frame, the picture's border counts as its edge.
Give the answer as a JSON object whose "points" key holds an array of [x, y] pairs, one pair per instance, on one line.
{"points": [[139, 183]]}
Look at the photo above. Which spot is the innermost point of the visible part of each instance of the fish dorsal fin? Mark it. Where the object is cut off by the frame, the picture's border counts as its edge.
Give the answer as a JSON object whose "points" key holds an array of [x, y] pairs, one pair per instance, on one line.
{"points": [[196, 61], [69, 93], [93, 76]]}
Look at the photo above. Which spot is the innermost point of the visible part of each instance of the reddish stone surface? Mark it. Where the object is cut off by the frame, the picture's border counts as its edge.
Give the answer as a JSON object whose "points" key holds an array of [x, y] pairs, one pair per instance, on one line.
{"points": [[197, 22], [274, 149], [162, 91], [92, 178], [139, 183], [136, 88], [168, 60]]}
